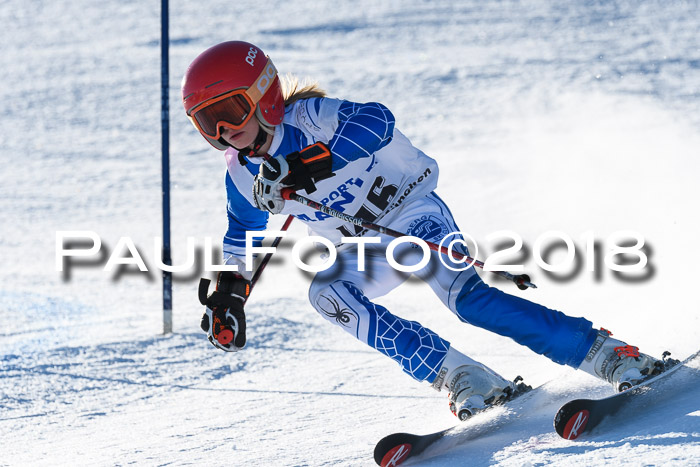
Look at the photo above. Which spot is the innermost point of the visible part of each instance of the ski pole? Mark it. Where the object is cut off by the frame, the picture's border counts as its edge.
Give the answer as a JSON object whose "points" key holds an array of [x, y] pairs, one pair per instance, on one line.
{"points": [[521, 280], [204, 283], [267, 257]]}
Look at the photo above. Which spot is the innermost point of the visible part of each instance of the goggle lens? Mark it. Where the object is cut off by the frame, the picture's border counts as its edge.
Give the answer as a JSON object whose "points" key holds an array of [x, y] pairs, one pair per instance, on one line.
{"points": [[233, 109]]}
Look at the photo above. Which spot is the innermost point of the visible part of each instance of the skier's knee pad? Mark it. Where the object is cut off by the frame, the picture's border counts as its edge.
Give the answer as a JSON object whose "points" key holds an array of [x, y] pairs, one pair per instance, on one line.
{"points": [[418, 350], [338, 302]]}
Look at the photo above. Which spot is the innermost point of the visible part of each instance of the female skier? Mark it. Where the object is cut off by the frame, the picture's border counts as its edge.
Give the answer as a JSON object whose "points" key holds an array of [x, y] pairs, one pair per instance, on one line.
{"points": [[350, 156]]}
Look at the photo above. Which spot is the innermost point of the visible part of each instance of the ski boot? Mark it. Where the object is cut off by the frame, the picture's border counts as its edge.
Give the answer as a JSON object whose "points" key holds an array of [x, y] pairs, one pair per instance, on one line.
{"points": [[620, 364], [472, 386]]}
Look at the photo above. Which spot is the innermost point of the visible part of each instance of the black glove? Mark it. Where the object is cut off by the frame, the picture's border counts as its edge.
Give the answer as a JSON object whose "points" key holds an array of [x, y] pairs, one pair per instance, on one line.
{"points": [[298, 170], [224, 318]]}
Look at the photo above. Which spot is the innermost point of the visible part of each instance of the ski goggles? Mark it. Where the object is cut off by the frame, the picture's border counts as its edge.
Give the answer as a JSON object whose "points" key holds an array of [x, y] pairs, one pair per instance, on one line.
{"points": [[233, 109]]}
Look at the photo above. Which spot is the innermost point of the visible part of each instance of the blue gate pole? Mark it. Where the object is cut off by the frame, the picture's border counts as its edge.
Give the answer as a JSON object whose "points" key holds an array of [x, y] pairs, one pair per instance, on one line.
{"points": [[165, 160]]}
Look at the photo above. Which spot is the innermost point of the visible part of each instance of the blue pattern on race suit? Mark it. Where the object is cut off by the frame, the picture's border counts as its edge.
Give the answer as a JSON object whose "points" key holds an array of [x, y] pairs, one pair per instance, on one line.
{"points": [[241, 217], [417, 349], [363, 130]]}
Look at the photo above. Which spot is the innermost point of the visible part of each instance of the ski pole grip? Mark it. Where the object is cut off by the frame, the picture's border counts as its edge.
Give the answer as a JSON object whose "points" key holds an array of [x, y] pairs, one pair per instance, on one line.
{"points": [[225, 336], [523, 282], [287, 193]]}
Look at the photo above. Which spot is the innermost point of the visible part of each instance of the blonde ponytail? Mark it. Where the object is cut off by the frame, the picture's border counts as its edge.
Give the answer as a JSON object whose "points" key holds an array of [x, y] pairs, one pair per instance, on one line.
{"points": [[293, 89]]}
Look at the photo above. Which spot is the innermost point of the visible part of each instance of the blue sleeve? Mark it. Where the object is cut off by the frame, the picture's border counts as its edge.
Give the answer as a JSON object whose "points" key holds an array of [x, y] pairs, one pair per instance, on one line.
{"points": [[362, 130], [242, 216]]}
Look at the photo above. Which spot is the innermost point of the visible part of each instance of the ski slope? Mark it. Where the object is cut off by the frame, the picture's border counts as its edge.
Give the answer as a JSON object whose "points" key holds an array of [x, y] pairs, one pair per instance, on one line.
{"points": [[581, 118]]}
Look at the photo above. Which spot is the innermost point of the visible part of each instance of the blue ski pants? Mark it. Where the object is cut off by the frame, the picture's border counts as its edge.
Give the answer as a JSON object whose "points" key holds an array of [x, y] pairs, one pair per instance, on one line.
{"points": [[343, 295]]}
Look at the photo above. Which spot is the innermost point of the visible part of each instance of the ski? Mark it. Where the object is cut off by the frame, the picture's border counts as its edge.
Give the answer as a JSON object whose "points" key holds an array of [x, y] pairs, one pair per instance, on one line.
{"points": [[394, 449], [580, 416]]}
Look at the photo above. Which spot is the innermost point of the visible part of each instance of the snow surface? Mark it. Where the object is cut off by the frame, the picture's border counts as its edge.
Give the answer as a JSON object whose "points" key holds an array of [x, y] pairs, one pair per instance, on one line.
{"points": [[570, 116]]}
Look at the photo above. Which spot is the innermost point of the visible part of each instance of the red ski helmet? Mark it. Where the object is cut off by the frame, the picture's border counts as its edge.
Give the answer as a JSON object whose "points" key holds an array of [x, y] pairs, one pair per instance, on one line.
{"points": [[226, 85]]}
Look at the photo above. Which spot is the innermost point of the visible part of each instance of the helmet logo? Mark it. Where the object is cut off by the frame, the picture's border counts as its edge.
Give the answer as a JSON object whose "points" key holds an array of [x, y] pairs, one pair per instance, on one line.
{"points": [[262, 83], [252, 53], [266, 78]]}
